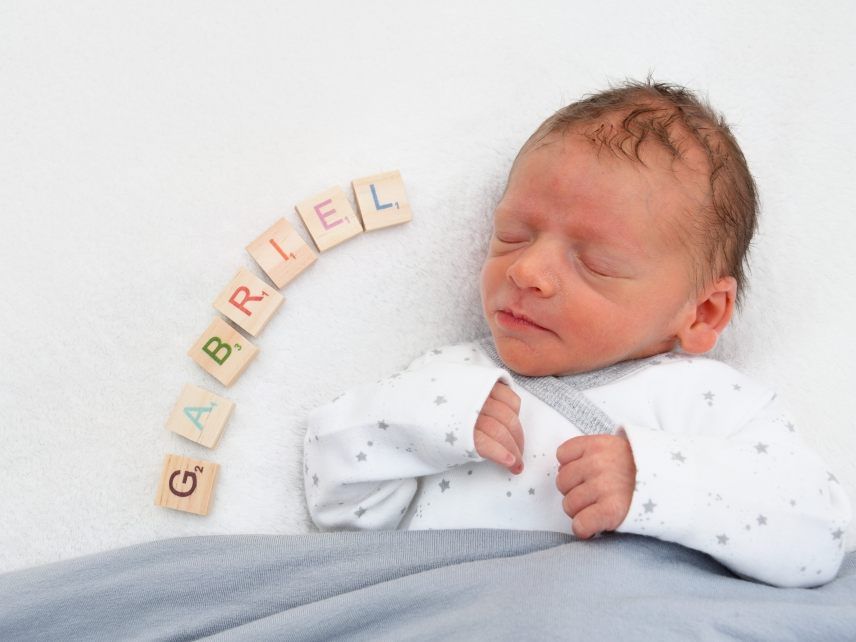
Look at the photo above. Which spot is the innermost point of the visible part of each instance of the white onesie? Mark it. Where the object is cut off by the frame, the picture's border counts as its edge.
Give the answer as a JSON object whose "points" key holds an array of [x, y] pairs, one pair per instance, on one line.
{"points": [[720, 465]]}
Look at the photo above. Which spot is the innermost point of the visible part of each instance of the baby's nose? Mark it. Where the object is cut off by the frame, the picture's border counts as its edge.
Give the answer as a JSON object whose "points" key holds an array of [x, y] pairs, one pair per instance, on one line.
{"points": [[534, 270]]}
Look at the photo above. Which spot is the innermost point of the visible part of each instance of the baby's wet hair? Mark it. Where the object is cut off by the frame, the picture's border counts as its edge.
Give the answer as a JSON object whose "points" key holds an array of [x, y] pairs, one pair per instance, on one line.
{"points": [[671, 116]]}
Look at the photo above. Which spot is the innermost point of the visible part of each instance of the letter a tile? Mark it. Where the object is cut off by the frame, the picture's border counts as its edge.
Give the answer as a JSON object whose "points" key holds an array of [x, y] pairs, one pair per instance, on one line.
{"points": [[200, 415], [186, 484], [222, 352], [248, 301], [281, 253], [382, 200], [329, 218]]}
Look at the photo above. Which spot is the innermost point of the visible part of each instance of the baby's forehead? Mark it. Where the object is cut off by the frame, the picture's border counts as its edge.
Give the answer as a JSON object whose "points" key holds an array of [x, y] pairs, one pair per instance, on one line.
{"points": [[568, 175]]}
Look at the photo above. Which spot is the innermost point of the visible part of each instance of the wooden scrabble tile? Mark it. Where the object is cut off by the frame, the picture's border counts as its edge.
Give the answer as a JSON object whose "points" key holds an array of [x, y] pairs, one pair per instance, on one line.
{"points": [[382, 200], [281, 253], [222, 352], [200, 415], [248, 301], [329, 218], [186, 484]]}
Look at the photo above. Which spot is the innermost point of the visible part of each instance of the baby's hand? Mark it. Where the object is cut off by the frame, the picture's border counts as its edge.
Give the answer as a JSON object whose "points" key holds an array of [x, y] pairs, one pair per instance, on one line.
{"points": [[597, 476], [498, 435]]}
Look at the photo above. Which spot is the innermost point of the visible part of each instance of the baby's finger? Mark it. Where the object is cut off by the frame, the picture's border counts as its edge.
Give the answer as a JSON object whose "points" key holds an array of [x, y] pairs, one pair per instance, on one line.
{"points": [[491, 449], [507, 416], [499, 432], [502, 392]]}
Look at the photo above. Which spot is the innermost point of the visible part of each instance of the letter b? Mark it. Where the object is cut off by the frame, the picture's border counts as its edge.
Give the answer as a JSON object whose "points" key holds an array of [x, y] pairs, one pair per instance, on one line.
{"points": [[214, 352]]}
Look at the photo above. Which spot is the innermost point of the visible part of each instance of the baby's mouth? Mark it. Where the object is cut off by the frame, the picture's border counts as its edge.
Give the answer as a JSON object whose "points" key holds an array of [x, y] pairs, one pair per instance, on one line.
{"points": [[509, 319]]}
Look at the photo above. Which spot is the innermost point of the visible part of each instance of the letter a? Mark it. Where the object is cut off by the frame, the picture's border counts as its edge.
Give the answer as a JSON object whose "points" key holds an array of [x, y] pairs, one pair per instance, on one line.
{"points": [[195, 412]]}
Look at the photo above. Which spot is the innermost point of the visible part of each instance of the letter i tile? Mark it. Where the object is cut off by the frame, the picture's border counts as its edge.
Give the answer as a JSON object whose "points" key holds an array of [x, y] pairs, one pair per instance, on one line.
{"points": [[281, 253]]}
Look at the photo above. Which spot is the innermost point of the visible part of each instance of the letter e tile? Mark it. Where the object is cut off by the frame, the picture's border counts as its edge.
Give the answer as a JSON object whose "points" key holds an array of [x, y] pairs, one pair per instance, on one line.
{"points": [[329, 218]]}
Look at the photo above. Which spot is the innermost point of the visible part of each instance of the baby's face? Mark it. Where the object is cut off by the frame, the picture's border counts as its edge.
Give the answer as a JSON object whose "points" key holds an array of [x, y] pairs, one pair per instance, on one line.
{"points": [[588, 250]]}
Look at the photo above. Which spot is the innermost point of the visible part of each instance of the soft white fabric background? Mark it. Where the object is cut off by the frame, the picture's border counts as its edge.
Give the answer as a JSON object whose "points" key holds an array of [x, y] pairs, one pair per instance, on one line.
{"points": [[143, 145]]}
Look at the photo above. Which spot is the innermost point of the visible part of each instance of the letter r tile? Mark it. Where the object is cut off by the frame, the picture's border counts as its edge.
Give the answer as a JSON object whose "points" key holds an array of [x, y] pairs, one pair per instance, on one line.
{"points": [[222, 352], [248, 301], [329, 218]]}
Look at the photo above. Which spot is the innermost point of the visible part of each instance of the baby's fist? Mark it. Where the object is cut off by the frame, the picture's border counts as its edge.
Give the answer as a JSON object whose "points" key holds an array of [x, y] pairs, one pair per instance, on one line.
{"points": [[498, 435], [597, 476]]}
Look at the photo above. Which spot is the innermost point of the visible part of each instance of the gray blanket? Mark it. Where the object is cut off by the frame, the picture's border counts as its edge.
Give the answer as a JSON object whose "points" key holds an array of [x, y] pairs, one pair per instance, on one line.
{"points": [[468, 584]]}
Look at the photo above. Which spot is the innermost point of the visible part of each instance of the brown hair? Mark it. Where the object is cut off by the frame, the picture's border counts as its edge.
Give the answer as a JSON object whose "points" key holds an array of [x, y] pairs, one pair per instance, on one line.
{"points": [[657, 111]]}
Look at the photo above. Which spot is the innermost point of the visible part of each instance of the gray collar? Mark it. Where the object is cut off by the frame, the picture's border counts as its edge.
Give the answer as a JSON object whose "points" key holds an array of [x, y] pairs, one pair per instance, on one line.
{"points": [[565, 393]]}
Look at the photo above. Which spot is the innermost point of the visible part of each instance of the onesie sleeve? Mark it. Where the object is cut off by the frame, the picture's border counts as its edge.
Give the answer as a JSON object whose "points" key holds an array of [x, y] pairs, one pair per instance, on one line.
{"points": [[753, 496], [364, 451]]}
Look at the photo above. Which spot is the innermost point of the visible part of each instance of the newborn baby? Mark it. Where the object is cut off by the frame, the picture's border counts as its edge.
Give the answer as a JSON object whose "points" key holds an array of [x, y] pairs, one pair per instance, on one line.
{"points": [[616, 260]]}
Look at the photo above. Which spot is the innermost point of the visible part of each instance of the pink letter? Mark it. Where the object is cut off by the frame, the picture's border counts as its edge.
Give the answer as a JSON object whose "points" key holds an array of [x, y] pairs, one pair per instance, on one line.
{"points": [[324, 215]]}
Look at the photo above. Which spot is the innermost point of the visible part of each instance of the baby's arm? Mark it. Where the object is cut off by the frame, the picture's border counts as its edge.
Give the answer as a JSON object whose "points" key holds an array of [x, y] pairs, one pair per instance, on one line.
{"points": [[758, 499], [364, 451]]}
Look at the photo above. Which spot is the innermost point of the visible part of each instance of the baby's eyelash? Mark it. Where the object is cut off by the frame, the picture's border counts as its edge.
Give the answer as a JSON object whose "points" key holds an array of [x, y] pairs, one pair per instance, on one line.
{"points": [[591, 269]]}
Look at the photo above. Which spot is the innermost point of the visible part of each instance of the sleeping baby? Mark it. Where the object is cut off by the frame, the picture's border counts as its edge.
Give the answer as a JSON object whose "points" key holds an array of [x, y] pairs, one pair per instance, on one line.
{"points": [[616, 262]]}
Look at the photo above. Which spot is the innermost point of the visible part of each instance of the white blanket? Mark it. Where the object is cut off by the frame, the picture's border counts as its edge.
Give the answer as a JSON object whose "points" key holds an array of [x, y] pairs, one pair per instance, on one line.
{"points": [[142, 146]]}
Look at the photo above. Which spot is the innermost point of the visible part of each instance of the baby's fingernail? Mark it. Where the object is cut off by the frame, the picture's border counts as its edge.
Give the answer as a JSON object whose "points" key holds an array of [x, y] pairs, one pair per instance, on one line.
{"points": [[509, 460]]}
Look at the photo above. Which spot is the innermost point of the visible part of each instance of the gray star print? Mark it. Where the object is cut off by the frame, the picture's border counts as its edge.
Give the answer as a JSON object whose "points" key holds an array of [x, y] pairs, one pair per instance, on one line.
{"points": [[790, 426], [436, 351], [678, 456], [709, 397], [762, 521], [440, 400], [831, 477], [722, 539], [737, 386], [359, 512], [382, 425], [836, 534], [361, 456], [761, 448], [649, 506], [315, 480], [443, 485], [531, 491], [471, 454], [450, 437]]}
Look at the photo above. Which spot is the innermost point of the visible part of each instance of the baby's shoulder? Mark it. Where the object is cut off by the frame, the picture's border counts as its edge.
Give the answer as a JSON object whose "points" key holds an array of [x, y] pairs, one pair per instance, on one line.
{"points": [[677, 375], [468, 352], [693, 370]]}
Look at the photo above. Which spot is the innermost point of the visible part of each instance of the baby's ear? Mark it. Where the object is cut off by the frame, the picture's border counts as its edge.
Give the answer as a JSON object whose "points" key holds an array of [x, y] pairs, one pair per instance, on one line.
{"points": [[712, 313]]}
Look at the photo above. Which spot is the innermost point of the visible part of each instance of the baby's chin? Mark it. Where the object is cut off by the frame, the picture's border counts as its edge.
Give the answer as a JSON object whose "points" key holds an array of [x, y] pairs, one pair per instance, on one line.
{"points": [[530, 362]]}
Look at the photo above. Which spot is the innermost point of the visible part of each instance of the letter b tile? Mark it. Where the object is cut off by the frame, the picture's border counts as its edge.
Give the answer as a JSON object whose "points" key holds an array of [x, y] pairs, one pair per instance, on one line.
{"points": [[222, 352]]}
